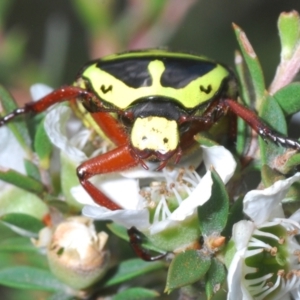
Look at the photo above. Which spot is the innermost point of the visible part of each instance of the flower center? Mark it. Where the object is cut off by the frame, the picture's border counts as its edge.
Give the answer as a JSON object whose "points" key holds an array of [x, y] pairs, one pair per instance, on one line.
{"points": [[164, 197], [272, 267]]}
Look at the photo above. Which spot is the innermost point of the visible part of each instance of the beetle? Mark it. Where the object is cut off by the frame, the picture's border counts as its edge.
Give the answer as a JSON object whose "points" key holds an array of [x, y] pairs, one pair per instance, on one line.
{"points": [[150, 103]]}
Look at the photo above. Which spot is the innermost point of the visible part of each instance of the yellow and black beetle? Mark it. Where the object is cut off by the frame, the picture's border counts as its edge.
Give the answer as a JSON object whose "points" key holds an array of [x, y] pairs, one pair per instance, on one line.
{"points": [[159, 100]]}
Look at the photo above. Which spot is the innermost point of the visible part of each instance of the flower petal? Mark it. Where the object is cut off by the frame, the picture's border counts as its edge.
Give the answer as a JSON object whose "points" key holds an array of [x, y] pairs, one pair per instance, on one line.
{"points": [[55, 126], [121, 190], [39, 90], [263, 205], [221, 160], [124, 217], [11, 153], [198, 197]]}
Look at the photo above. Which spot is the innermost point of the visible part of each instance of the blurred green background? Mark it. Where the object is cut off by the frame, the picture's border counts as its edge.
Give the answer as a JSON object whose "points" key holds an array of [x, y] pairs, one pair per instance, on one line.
{"points": [[53, 39], [49, 41]]}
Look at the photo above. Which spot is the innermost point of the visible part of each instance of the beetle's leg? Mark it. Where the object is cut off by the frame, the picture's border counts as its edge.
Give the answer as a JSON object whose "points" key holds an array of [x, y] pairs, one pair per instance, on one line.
{"points": [[111, 127], [136, 240], [116, 160], [258, 125], [59, 95]]}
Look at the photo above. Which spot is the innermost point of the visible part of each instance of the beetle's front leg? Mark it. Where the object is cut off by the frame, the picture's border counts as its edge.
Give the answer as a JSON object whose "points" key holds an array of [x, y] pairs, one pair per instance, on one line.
{"points": [[60, 95], [116, 160], [258, 125]]}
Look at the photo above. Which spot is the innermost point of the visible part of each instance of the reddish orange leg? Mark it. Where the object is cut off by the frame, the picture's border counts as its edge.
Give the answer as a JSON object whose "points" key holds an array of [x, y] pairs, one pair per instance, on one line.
{"points": [[116, 160], [60, 95], [258, 125]]}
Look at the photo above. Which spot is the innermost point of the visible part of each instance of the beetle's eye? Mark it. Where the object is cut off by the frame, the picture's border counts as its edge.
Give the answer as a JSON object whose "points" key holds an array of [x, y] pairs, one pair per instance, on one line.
{"points": [[205, 90], [126, 121], [105, 89], [184, 127]]}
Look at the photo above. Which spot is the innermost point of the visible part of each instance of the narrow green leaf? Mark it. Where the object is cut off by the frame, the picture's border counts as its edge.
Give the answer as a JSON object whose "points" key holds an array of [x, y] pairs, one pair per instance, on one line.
{"points": [[21, 181], [272, 114], [137, 293], [252, 62], [288, 98], [132, 268], [17, 244], [118, 230], [19, 127], [187, 268], [246, 88], [24, 277], [32, 170], [203, 140], [235, 214], [22, 221], [289, 32], [215, 277], [243, 76], [42, 145], [214, 213]]}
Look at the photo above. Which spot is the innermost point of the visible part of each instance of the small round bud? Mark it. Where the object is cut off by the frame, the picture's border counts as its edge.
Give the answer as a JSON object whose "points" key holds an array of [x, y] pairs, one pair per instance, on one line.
{"points": [[76, 253]]}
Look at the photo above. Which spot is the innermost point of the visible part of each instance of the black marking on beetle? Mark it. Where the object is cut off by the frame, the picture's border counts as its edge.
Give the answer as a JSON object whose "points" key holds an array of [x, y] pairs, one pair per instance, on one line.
{"points": [[165, 140], [206, 90], [104, 89], [179, 73], [133, 72]]}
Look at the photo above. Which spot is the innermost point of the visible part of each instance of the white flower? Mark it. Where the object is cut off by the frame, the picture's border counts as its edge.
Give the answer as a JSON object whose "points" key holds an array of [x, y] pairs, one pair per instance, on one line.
{"points": [[266, 262], [136, 208], [125, 188]]}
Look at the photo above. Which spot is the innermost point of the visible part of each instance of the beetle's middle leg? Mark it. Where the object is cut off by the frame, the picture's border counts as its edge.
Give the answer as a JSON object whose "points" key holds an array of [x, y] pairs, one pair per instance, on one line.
{"points": [[116, 160]]}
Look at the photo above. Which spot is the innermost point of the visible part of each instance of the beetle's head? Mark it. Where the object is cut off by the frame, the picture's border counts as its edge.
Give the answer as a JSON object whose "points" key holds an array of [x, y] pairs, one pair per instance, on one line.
{"points": [[155, 129]]}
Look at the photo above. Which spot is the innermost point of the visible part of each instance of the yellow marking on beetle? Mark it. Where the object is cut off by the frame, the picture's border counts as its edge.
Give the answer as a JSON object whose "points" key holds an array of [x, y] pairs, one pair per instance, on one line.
{"points": [[155, 133], [122, 95]]}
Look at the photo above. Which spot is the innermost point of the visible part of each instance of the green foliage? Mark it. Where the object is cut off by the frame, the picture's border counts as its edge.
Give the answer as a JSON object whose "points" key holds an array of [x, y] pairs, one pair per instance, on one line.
{"points": [[40, 193], [214, 213]]}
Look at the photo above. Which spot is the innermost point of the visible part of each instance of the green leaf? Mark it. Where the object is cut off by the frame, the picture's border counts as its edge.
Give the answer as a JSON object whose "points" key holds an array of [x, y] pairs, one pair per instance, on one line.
{"points": [[15, 244], [16, 200], [19, 128], [187, 268], [22, 221], [215, 277], [136, 294], [132, 268], [291, 163], [61, 296], [289, 32], [235, 214], [288, 98], [42, 145], [214, 213], [203, 140], [69, 179], [270, 175], [245, 87], [254, 67], [21, 181], [272, 114], [118, 230], [32, 170], [24, 277]]}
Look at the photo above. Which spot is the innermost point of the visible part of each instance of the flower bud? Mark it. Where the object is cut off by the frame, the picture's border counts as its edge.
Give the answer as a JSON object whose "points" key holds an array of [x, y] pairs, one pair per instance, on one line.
{"points": [[76, 253]]}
